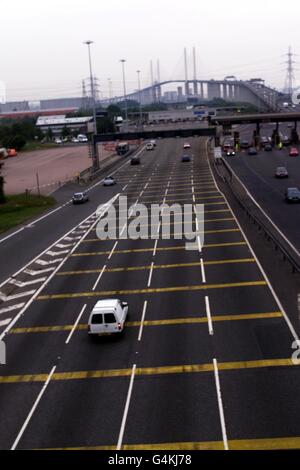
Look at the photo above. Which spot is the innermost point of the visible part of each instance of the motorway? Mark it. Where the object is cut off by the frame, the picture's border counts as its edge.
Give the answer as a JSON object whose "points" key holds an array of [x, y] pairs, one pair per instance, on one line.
{"points": [[205, 361], [257, 173]]}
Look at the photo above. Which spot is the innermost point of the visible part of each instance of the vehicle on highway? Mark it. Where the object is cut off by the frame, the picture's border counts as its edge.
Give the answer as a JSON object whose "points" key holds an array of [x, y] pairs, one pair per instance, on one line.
{"points": [[252, 151], [294, 152], [109, 181], [230, 153], [244, 144], [292, 195], [80, 198], [74, 140], [186, 146], [57, 140], [153, 142], [281, 172], [185, 158], [135, 161], [149, 146], [264, 141], [285, 140], [122, 148], [108, 317], [268, 148]]}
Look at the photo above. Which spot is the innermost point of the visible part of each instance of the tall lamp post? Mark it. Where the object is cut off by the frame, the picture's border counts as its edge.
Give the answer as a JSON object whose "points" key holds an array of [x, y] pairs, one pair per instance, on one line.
{"points": [[124, 90], [140, 98], [94, 145]]}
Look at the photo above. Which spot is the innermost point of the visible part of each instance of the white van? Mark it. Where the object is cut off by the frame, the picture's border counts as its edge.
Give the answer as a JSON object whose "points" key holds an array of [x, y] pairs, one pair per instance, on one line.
{"points": [[82, 138], [149, 146], [108, 317]]}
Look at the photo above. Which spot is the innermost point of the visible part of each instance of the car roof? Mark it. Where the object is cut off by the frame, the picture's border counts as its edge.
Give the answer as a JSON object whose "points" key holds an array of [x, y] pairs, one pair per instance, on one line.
{"points": [[78, 194], [107, 303]]}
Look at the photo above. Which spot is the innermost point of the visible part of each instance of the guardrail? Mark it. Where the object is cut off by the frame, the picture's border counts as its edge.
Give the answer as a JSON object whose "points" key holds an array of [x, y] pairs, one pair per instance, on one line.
{"points": [[271, 234]]}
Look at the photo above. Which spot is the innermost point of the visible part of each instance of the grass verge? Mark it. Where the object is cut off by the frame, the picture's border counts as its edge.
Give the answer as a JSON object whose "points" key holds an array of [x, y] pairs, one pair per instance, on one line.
{"points": [[21, 207]]}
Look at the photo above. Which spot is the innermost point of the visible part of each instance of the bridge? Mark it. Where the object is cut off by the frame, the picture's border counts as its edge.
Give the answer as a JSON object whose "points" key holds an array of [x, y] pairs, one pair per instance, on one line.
{"points": [[251, 91]]}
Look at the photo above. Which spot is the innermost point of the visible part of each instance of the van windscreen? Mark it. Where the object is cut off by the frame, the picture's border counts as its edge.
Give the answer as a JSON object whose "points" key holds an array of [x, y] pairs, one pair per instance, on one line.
{"points": [[97, 319], [109, 318]]}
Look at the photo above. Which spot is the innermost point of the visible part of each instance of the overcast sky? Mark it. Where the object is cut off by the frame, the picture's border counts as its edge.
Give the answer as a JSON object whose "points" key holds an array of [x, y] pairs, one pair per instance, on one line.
{"points": [[42, 55]]}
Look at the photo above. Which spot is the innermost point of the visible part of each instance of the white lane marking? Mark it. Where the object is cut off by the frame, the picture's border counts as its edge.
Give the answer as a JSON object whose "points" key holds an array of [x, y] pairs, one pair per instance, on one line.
{"points": [[64, 245], [124, 419], [32, 272], [71, 238], [57, 253], [42, 262], [276, 298], [7, 298], [23, 428], [202, 271], [155, 248], [11, 308], [5, 322], [220, 404], [142, 320], [113, 249], [159, 225], [99, 277], [150, 275], [75, 324], [39, 290], [11, 235], [208, 313], [146, 186], [126, 185], [17, 283], [141, 193]]}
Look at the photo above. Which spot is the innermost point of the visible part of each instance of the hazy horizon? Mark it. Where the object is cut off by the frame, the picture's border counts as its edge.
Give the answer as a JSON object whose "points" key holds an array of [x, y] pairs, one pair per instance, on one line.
{"points": [[45, 57]]}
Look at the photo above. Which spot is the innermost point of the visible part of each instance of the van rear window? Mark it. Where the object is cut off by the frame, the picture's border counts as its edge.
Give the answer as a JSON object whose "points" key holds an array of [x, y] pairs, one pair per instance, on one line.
{"points": [[109, 318], [97, 319]]}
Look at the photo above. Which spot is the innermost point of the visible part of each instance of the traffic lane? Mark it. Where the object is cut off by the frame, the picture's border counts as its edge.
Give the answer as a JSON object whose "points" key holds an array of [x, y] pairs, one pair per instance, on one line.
{"points": [[77, 414], [171, 345], [93, 353], [261, 402], [32, 354], [243, 301], [251, 340], [19, 399], [180, 408]]}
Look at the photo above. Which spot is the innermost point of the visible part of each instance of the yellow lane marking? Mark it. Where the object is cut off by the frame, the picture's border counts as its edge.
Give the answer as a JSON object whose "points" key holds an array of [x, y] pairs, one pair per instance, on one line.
{"points": [[146, 371], [179, 234], [178, 193], [158, 290], [147, 250], [227, 230], [181, 197], [158, 266], [170, 322], [278, 443], [218, 211]]}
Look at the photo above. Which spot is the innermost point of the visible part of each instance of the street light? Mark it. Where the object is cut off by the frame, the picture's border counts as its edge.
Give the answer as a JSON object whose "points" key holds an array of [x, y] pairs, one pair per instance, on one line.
{"points": [[140, 99], [124, 90], [94, 153]]}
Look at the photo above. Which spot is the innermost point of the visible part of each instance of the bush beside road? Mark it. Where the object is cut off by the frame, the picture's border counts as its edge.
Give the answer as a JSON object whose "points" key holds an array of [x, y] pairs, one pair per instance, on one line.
{"points": [[21, 207]]}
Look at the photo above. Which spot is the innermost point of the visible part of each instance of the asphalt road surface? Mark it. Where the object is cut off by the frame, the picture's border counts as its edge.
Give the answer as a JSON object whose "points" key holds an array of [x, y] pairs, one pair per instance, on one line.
{"points": [[205, 361]]}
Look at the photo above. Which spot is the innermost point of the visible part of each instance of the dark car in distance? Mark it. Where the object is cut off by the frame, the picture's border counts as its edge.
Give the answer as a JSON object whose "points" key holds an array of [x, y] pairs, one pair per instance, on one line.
{"points": [[268, 148], [292, 195], [252, 151], [135, 161], [185, 158]]}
